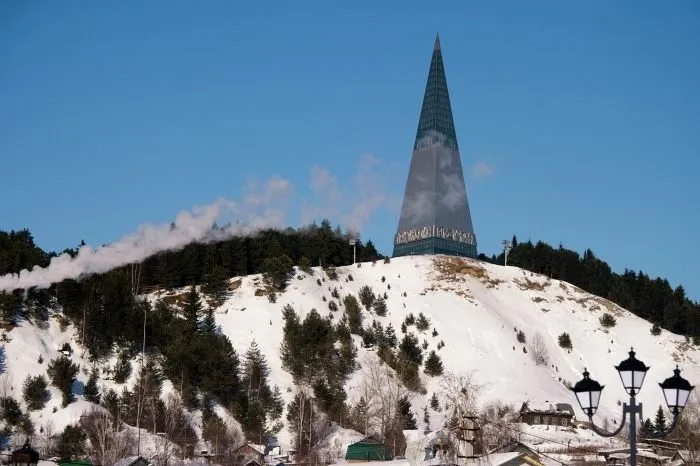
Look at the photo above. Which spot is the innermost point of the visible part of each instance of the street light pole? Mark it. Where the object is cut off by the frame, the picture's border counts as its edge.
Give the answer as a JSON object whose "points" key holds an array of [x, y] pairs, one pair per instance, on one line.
{"points": [[354, 250], [632, 372]]}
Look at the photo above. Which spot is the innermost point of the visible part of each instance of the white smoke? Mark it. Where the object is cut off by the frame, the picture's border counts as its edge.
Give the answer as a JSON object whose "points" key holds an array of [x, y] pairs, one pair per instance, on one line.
{"points": [[263, 207]]}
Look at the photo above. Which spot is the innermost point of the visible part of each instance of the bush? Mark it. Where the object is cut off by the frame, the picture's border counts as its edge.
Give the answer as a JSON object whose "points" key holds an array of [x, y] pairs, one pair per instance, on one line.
{"points": [[565, 341], [607, 320], [538, 350], [387, 260], [332, 306], [335, 293], [332, 273], [521, 336], [305, 265], [655, 330], [35, 393]]}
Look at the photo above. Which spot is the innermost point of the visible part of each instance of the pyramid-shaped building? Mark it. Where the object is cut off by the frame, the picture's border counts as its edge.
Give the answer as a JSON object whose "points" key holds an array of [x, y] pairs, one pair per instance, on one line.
{"points": [[435, 216]]}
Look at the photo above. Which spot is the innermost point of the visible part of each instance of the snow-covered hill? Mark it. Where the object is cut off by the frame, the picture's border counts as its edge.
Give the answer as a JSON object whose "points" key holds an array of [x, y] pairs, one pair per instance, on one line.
{"points": [[476, 309]]}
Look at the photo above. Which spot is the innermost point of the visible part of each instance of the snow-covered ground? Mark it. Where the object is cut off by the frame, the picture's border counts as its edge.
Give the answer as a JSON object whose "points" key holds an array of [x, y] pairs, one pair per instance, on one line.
{"points": [[476, 309]]}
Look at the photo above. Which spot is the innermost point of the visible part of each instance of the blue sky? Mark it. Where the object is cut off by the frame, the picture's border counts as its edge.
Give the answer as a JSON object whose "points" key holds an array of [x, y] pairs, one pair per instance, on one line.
{"points": [[578, 122]]}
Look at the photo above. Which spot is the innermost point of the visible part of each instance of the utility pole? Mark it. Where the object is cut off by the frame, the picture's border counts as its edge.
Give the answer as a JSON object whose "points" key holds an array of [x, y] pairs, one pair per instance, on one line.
{"points": [[507, 246], [141, 383]]}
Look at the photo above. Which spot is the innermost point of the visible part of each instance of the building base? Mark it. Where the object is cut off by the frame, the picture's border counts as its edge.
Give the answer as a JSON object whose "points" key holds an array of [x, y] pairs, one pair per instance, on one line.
{"points": [[435, 246]]}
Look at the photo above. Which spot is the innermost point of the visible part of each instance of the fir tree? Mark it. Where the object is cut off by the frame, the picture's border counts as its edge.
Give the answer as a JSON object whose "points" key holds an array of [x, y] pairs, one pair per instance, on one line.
{"points": [[91, 392], [35, 393], [379, 307], [62, 373], [407, 419], [433, 364], [660, 421], [192, 311], [434, 402]]}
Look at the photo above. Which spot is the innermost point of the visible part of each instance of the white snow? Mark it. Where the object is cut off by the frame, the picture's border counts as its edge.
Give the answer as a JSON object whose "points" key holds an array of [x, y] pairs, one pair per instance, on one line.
{"points": [[475, 311]]}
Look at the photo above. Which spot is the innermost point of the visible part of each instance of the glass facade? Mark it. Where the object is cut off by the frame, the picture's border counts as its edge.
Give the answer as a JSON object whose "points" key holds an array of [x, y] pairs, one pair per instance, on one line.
{"points": [[435, 216]]}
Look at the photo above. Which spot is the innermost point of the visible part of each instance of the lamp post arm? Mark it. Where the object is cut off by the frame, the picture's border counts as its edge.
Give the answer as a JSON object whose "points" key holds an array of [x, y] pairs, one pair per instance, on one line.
{"points": [[604, 433]]}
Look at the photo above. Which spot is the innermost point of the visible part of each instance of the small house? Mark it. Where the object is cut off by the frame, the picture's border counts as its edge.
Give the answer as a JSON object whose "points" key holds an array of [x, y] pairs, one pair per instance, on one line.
{"points": [[246, 453], [546, 414], [369, 449], [133, 461], [686, 458]]}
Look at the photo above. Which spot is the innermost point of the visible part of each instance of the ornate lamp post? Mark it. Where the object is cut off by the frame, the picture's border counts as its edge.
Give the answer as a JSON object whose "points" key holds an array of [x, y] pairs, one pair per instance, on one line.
{"points": [[632, 372], [25, 456]]}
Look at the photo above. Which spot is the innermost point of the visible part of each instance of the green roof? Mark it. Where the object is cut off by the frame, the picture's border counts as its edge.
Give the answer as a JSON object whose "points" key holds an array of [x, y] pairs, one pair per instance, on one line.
{"points": [[369, 449]]}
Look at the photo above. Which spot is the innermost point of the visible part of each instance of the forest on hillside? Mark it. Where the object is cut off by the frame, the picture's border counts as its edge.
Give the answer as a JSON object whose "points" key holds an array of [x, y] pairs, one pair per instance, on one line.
{"points": [[652, 299], [184, 346]]}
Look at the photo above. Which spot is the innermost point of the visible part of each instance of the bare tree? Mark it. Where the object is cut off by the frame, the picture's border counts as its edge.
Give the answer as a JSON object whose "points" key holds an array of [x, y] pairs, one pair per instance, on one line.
{"points": [[108, 445], [458, 394], [538, 350], [497, 418], [176, 424], [382, 390], [689, 428]]}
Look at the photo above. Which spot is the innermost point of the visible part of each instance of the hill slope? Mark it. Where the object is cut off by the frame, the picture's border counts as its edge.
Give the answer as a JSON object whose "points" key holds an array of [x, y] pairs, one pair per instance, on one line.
{"points": [[475, 308]]}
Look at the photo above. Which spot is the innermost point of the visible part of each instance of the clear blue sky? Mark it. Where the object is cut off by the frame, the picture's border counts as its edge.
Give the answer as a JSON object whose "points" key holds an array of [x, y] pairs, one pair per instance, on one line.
{"points": [[578, 122]]}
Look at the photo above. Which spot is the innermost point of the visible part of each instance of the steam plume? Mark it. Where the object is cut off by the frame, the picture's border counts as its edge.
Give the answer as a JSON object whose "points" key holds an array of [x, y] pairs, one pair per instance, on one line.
{"points": [[262, 208]]}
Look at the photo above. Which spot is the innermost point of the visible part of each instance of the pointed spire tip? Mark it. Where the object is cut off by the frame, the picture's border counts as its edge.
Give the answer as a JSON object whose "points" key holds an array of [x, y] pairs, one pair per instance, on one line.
{"points": [[437, 42]]}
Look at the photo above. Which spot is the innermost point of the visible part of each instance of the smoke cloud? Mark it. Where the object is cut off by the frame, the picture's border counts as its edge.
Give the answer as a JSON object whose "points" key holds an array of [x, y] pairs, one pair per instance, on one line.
{"points": [[263, 207]]}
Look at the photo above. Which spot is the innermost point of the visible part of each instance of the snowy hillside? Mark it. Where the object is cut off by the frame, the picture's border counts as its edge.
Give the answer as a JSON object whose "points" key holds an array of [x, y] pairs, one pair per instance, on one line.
{"points": [[475, 309]]}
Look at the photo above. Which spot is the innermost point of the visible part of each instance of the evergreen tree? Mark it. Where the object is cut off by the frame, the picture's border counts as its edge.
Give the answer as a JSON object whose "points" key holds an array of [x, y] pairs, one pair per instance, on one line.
{"points": [[35, 393], [62, 373], [660, 421], [379, 307], [91, 391], [407, 419], [192, 311], [71, 443], [434, 402], [367, 297], [433, 364], [352, 310], [648, 427]]}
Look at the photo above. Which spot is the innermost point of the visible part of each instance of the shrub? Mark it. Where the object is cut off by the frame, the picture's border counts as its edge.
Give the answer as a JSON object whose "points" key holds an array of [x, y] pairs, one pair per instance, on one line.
{"points": [[387, 260], [607, 320], [383, 278], [521, 336], [565, 341], [332, 306], [35, 392], [335, 293], [538, 350], [410, 319], [435, 332], [655, 330], [11, 412], [318, 281], [332, 273]]}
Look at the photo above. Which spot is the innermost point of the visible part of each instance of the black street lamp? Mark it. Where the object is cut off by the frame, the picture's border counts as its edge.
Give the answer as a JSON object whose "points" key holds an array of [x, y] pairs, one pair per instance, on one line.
{"points": [[632, 372]]}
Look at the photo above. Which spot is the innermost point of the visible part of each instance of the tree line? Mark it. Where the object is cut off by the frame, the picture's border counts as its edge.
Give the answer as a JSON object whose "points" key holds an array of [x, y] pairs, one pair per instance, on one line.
{"points": [[653, 299]]}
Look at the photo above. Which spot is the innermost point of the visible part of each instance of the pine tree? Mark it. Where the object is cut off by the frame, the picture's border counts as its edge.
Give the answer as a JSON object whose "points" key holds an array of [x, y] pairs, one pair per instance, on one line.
{"points": [[406, 418], [91, 392], [434, 402], [433, 365], [192, 311], [208, 322], [379, 307], [648, 427], [660, 421]]}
